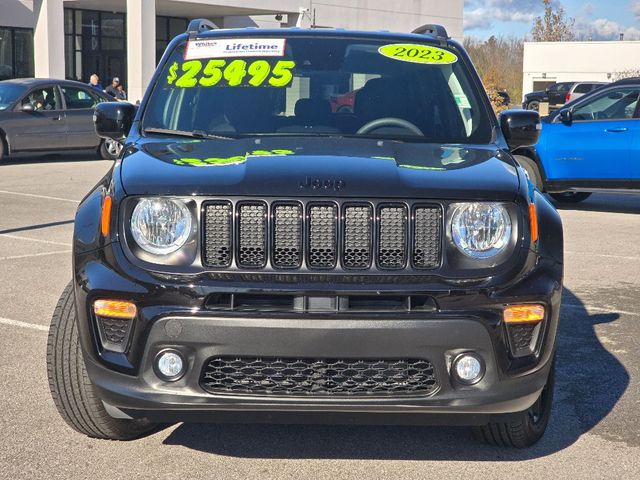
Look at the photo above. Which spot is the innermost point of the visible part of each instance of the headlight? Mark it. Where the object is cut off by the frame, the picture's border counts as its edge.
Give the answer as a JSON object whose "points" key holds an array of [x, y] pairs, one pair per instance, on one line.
{"points": [[480, 230], [160, 226]]}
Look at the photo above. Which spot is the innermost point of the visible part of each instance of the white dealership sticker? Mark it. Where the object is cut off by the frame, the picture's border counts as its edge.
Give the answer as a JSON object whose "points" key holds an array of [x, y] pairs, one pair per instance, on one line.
{"points": [[237, 47]]}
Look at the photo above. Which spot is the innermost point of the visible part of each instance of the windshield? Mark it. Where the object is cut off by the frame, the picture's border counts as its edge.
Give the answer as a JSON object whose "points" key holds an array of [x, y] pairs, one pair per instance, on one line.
{"points": [[317, 86], [9, 93]]}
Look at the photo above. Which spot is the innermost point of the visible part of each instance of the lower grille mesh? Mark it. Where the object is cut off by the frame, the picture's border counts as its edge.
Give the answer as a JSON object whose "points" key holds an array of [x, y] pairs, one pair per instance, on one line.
{"points": [[523, 338], [115, 329], [304, 376]]}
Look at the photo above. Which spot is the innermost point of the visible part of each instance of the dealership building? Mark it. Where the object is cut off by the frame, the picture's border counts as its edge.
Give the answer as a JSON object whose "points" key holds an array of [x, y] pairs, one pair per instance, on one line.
{"points": [[125, 38], [546, 63]]}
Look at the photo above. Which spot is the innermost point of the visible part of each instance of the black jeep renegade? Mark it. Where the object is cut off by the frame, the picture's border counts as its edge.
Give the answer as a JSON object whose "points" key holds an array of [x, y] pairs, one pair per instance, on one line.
{"points": [[311, 226]]}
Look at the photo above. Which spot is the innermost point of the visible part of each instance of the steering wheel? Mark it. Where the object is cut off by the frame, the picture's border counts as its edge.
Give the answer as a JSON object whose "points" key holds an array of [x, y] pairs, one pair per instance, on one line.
{"points": [[389, 122]]}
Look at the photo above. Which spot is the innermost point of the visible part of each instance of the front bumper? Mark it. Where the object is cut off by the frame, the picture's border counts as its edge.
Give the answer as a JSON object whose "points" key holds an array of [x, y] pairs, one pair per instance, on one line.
{"points": [[171, 315]]}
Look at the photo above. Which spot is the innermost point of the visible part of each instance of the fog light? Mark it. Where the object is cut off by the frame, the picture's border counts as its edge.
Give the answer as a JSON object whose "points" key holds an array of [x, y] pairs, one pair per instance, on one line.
{"points": [[468, 368], [170, 365]]}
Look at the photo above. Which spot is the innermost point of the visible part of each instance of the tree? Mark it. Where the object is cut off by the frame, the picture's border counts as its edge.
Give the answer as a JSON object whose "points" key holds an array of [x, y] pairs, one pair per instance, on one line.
{"points": [[499, 64], [554, 25]]}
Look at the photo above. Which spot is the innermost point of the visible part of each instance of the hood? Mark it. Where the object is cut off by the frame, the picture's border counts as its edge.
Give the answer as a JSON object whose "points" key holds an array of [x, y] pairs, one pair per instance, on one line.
{"points": [[319, 167]]}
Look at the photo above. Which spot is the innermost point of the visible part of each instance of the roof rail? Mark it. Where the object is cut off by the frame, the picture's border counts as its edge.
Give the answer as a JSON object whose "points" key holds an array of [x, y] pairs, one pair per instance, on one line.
{"points": [[436, 30], [199, 25]]}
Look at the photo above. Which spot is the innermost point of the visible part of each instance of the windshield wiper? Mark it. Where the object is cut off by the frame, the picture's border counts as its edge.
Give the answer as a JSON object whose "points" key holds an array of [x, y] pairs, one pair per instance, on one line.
{"points": [[185, 133]]}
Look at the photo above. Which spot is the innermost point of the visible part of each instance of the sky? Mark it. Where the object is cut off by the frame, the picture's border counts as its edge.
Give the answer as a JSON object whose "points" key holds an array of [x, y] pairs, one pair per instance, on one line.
{"points": [[594, 19]]}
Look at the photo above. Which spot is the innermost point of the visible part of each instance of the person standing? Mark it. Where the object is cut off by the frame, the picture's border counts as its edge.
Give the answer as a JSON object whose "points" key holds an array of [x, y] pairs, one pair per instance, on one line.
{"points": [[113, 88], [94, 82], [120, 93]]}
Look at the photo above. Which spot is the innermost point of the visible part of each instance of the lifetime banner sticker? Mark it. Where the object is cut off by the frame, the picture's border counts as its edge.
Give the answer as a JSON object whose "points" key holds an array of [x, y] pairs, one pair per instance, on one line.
{"points": [[237, 47]]}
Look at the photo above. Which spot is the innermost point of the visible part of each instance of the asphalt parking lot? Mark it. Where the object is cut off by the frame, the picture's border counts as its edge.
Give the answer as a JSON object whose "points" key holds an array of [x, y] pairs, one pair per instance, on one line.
{"points": [[594, 431]]}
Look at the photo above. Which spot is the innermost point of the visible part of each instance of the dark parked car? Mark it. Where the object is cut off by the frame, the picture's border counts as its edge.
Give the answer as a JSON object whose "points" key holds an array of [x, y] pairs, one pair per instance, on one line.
{"points": [[239, 262], [40, 114], [589, 145], [558, 94]]}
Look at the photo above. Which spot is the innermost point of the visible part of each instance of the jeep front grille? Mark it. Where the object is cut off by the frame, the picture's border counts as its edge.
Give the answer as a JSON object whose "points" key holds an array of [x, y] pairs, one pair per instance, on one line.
{"points": [[218, 234], [318, 377], [252, 235], [287, 238], [322, 235], [357, 236]]}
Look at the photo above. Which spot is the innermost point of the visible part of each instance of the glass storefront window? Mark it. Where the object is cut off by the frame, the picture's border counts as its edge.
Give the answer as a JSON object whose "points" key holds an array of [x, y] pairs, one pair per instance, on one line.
{"points": [[16, 53], [112, 25], [6, 54], [23, 45], [166, 29], [100, 45]]}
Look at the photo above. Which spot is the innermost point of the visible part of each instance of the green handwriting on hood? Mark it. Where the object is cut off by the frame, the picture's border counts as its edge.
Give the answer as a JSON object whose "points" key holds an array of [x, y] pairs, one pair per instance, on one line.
{"points": [[234, 160]]}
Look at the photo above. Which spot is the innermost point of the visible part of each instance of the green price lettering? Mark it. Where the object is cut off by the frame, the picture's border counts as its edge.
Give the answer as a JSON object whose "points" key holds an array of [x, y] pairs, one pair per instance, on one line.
{"points": [[173, 69], [212, 73], [217, 72], [188, 78], [282, 75], [259, 71], [235, 72]]}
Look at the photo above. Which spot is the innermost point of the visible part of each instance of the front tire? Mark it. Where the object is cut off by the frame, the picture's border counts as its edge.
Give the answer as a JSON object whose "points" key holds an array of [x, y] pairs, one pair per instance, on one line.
{"points": [[532, 170], [526, 430], [570, 197], [72, 390], [109, 149], [533, 105]]}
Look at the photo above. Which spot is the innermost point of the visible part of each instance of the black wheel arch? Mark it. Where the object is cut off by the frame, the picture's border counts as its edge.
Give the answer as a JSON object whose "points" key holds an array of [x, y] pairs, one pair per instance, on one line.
{"points": [[87, 233], [550, 233], [532, 153]]}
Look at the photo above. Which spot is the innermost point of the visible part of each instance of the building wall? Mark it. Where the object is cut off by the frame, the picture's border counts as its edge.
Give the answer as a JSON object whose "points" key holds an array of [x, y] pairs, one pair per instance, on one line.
{"points": [[16, 13], [577, 61], [46, 18], [399, 16]]}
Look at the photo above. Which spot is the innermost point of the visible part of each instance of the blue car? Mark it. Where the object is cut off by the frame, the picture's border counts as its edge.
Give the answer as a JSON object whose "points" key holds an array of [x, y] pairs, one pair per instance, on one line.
{"points": [[592, 144]]}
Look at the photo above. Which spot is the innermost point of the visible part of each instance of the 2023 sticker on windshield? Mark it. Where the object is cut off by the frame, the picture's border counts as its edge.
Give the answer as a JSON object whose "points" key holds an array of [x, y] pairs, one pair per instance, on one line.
{"points": [[416, 53]]}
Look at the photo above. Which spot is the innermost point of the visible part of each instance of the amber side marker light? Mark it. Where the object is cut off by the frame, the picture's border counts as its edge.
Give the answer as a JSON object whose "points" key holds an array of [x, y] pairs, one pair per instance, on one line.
{"points": [[524, 313], [533, 222], [114, 309], [105, 218]]}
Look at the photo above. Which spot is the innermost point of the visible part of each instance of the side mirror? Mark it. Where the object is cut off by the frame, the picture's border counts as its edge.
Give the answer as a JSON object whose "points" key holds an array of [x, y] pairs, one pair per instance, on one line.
{"points": [[113, 119], [27, 108], [521, 128], [566, 116], [547, 90]]}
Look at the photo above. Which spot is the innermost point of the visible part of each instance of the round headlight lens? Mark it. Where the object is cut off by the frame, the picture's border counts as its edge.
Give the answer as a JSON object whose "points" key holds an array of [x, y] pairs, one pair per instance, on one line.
{"points": [[480, 230], [160, 226]]}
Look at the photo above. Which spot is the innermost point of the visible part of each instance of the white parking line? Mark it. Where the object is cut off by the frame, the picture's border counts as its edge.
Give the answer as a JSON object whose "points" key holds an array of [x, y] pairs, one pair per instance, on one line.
{"points": [[46, 197], [29, 255], [18, 237], [603, 255], [17, 323]]}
